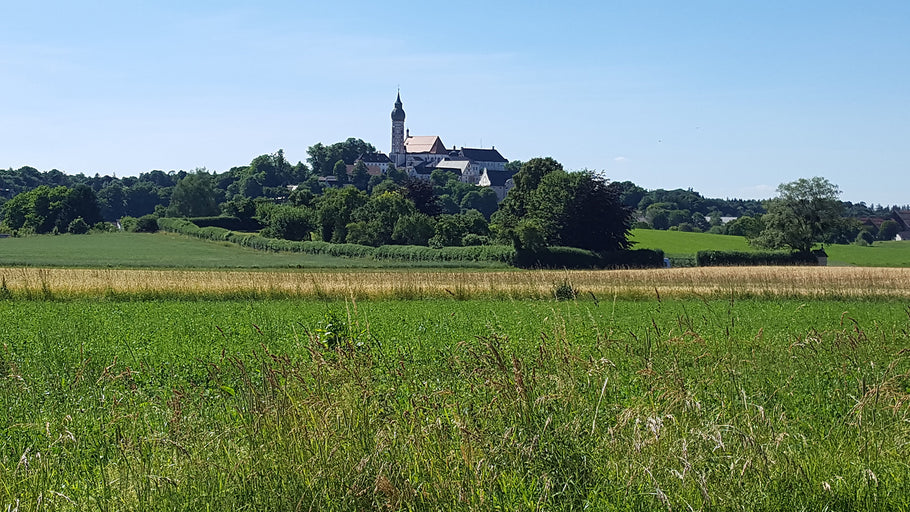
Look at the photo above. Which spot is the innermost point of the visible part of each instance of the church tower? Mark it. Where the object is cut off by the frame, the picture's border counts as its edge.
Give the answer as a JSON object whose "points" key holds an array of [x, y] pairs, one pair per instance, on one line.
{"points": [[397, 154]]}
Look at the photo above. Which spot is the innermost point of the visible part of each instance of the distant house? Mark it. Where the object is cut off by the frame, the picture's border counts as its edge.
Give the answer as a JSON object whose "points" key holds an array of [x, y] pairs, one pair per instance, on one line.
{"points": [[377, 163], [459, 166], [423, 150], [500, 181], [871, 222], [902, 217], [484, 158], [421, 170], [328, 181]]}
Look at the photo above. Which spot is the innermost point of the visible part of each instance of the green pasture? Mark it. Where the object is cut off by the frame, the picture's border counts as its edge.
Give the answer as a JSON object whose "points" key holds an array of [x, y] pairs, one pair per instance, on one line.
{"points": [[880, 254], [678, 244], [454, 405], [162, 250]]}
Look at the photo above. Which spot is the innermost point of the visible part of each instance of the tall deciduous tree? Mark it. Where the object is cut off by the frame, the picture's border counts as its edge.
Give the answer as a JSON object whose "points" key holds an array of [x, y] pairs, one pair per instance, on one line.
{"points": [[80, 202], [36, 210], [414, 229], [375, 221], [805, 212], [194, 196], [578, 209], [421, 193], [360, 177], [888, 230], [483, 199], [112, 201], [289, 222], [142, 198], [334, 210], [596, 219], [341, 172], [514, 207]]}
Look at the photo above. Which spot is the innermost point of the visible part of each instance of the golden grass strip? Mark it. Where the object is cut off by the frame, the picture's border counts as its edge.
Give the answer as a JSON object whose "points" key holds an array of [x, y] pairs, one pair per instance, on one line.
{"points": [[820, 282]]}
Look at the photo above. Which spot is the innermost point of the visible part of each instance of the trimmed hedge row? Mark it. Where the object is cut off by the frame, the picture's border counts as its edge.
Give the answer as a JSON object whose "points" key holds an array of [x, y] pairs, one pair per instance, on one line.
{"points": [[551, 257], [740, 258], [571, 257], [503, 254], [556, 257], [634, 258], [253, 241], [497, 253], [232, 223]]}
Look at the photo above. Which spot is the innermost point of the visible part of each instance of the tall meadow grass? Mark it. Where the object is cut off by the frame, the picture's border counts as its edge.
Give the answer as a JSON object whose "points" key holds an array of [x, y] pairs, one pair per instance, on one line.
{"points": [[419, 405]]}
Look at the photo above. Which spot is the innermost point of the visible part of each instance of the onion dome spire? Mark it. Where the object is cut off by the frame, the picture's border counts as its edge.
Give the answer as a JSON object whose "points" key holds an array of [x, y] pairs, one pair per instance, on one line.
{"points": [[398, 112]]}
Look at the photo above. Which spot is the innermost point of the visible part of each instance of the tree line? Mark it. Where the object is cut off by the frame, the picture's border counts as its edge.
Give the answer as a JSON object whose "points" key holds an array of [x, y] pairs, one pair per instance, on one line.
{"points": [[548, 206], [687, 210]]}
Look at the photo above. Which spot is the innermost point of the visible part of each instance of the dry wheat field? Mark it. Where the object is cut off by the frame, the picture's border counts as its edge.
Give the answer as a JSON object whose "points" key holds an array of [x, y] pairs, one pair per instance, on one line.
{"points": [[817, 282]]}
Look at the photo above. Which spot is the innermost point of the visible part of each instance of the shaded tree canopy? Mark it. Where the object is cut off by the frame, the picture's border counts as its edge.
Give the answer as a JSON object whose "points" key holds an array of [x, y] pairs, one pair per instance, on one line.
{"points": [[334, 211], [44, 209], [194, 196], [360, 177], [322, 158], [288, 222], [483, 199], [578, 209], [515, 205], [422, 193], [374, 222], [514, 165], [888, 230]]}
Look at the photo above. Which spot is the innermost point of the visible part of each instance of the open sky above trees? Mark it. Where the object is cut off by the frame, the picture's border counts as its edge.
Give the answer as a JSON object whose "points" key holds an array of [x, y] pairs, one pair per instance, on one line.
{"points": [[727, 98]]}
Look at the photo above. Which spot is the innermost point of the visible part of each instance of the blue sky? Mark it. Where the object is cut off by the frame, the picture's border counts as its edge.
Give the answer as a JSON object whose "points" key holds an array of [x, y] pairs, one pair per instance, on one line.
{"points": [[728, 98]]}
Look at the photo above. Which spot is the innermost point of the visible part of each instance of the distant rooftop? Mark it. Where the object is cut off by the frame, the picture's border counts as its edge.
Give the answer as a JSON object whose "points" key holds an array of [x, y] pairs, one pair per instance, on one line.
{"points": [[458, 166], [424, 144], [499, 178], [482, 155], [375, 158]]}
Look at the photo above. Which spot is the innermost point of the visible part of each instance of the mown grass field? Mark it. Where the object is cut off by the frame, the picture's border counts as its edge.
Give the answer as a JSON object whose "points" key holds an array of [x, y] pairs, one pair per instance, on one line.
{"points": [[687, 245], [293, 404], [162, 250]]}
